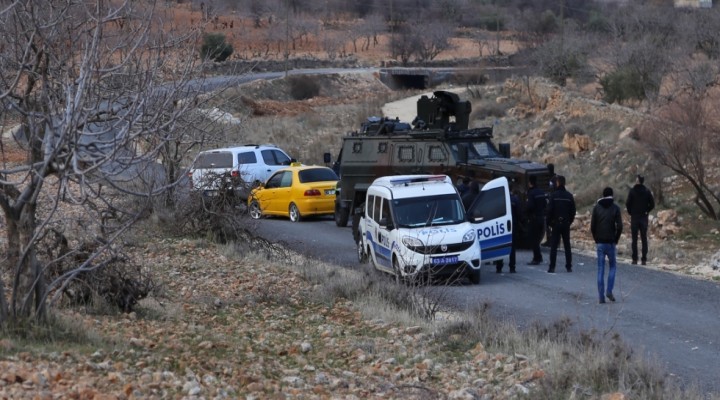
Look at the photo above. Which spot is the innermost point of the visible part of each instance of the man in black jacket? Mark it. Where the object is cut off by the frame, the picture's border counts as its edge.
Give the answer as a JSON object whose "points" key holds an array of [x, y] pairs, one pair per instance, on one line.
{"points": [[560, 215], [639, 203], [606, 228], [536, 206]]}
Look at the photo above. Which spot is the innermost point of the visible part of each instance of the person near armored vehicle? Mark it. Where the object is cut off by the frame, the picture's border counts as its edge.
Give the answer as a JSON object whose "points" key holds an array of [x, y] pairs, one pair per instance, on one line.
{"points": [[516, 210], [560, 215], [536, 209], [463, 186], [552, 185], [606, 228], [639, 203], [469, 196]]}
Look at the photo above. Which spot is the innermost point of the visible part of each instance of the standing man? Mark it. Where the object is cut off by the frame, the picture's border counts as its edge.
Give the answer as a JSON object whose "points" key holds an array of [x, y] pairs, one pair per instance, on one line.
{"points": [[536, 208], [515, 209], [639, 203], [469, 196], [552, 185], [561, 214], [606, 228]]}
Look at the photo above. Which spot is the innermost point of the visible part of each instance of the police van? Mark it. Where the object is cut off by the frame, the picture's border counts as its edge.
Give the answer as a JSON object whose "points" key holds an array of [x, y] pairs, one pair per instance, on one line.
{"points": [[415, 225]]}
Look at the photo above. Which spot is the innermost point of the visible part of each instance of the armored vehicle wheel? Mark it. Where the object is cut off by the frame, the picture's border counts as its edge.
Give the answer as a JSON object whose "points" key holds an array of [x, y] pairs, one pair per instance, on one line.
{"points": [[362, 256], [341, 216], [474, 277], [294, 213], [255, 212]]}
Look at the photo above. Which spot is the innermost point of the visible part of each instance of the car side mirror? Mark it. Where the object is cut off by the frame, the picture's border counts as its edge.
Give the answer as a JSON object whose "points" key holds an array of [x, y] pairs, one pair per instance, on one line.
{"points": [[386, 224], [327, 158]]}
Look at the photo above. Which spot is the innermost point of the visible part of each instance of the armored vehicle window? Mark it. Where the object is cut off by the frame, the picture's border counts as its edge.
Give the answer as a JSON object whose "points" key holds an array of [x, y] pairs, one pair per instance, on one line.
{"points": [[214, 160], [406, 153], [247, 158], [357, 147], [477, 150], [382, 147], [436, 153], [489, 204]]}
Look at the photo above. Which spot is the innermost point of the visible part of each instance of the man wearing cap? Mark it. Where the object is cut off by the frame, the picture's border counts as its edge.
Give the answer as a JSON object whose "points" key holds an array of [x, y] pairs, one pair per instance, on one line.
{"points": [[606, 228], [639, 203]]}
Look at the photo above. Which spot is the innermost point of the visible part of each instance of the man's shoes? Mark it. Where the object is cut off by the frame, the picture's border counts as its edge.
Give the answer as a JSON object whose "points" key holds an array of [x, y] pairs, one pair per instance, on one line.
{"points": [[610, 297], [546, 244], [602, 301], [512, 271], [498, 271], [634, 262], [643, 262], [569, 269], [551, 271], [534, 262]]}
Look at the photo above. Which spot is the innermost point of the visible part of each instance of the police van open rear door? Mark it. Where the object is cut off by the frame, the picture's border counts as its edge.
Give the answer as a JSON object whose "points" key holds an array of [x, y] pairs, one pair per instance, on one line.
{"points": [[491, 216]]}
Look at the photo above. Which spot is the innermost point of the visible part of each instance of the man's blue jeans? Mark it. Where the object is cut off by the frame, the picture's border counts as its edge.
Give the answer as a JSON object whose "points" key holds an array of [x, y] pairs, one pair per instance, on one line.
{"points": [[606, 249]]}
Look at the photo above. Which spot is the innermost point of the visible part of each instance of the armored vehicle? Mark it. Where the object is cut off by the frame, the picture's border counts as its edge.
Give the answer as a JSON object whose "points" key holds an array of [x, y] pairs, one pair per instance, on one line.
{"points": [[438, 141]]}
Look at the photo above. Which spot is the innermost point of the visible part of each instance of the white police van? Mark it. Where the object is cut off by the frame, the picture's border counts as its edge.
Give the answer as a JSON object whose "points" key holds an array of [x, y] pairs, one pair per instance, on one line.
{"points": [[416, 224]]}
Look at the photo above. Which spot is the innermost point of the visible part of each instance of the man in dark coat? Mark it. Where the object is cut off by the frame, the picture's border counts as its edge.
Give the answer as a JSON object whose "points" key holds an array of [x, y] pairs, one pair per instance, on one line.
{"points": [[535, 209], [606, 228], [516, 211], [469, 196], [639, 203], [560, 215]]}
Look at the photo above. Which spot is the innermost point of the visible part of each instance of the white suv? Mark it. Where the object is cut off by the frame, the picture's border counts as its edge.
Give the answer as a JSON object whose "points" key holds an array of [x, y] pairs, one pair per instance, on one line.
{"points": [[415, 224], [240, 168]]}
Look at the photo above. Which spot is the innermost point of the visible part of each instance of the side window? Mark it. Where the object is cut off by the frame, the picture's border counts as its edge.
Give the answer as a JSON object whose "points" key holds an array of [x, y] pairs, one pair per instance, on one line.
{"points": [[492, 204], [274, 181], [369, 206], [286, 179], [386, 211], [281, 158], [275, 157], [436, 153], [406, 153], [214, 160], [376, 209], [247, 158]]}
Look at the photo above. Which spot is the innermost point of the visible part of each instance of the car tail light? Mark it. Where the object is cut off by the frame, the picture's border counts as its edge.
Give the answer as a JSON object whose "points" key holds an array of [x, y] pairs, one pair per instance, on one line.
{"points": [[190, 180], [235, 174], [312, 192]]}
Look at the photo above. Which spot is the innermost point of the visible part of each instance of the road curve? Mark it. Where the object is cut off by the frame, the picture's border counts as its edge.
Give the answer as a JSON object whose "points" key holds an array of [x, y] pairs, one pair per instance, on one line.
{"points": [[671, 318]]}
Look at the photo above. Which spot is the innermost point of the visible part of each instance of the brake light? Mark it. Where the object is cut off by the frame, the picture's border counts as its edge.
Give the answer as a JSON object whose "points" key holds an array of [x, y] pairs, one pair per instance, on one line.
{"points": [[190, 180], [235, 174], [312, 192]]}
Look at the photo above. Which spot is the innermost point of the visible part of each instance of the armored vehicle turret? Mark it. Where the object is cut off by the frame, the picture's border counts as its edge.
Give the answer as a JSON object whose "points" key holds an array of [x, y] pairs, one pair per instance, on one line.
{"points": [[438, 141]]}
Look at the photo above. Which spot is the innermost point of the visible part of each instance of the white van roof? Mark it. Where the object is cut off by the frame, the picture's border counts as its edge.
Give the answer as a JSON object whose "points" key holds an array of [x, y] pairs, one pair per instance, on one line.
{"points": [[404, 186]]}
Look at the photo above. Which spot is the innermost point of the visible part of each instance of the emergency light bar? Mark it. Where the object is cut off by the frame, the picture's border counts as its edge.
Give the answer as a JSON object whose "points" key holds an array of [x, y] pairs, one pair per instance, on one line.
{"points": [[417, 179]]}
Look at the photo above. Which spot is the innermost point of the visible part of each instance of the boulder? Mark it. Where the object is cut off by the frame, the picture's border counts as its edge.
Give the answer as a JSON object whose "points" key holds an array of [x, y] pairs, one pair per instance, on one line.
{"points": [[577, 143]]}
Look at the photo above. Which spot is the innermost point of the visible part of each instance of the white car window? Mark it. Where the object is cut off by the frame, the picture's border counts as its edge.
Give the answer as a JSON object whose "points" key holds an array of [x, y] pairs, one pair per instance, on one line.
{"points": [[247, 158]]}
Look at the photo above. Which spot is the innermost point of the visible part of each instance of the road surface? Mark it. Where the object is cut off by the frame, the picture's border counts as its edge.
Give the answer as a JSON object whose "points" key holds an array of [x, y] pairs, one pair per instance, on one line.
{"points": [[672, 318]]}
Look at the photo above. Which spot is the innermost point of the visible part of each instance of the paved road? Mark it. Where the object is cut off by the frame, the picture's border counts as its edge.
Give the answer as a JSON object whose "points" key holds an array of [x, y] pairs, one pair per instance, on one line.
{"points": [[672, 318]]}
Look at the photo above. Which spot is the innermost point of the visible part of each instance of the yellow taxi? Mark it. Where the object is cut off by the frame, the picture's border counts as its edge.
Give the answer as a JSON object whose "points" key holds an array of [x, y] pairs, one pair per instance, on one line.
{"points": [[296, 191]]}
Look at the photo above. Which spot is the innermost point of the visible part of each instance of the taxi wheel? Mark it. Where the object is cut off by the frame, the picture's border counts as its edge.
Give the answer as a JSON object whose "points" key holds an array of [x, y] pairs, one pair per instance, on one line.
{"points": [[255, 212], [362, 256], [294, 213]]}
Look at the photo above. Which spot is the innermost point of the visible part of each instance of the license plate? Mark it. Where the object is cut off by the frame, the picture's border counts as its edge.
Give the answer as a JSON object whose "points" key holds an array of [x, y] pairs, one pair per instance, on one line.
{"points": [[329, 191], [445, 260]]}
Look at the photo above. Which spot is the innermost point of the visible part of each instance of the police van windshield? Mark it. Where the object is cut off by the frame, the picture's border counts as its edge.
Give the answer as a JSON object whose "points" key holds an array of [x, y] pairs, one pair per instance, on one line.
{"points": [[428, 211], [477, 150]]}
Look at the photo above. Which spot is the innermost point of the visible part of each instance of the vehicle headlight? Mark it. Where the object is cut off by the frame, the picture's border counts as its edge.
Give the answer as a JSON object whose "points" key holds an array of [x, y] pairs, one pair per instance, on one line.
{"points": [[469, 236], [410, 241]]}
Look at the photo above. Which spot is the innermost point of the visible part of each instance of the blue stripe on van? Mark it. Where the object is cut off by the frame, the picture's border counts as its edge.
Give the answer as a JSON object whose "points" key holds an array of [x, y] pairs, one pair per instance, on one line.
{"points": [[497, 247]]}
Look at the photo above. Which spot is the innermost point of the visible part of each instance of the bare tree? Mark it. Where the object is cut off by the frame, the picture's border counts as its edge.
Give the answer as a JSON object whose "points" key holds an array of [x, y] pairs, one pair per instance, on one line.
{"points": [[94, 91], [683, 137], [431, 39]]}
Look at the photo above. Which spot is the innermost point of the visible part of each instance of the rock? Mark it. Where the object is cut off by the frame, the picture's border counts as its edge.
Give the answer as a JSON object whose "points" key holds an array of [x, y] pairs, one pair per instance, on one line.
{"points": [[305, 347], [577, 143], [667, 217], [628, 132], [715, 261]]}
